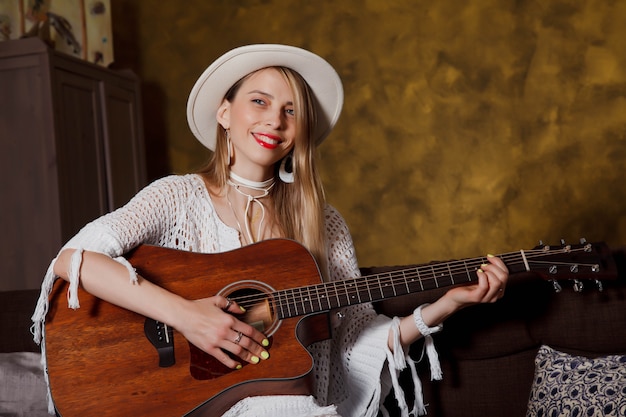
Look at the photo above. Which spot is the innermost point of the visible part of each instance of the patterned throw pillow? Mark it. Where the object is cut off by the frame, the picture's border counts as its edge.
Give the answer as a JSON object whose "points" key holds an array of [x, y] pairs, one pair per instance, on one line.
{"points": [[575, 386]]}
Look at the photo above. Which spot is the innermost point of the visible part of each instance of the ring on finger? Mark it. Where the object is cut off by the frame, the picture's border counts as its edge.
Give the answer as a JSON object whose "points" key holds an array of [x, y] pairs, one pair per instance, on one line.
{"points": [[228, 304], [238, 338]]}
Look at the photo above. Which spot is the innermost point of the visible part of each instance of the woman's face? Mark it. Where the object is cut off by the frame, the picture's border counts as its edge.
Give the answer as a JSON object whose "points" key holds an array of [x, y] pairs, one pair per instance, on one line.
{"points": [[262, 124]]}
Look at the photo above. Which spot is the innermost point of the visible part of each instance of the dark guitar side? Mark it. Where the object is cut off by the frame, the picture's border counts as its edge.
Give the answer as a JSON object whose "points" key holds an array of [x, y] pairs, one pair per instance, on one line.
{"points": [[100, 363]]}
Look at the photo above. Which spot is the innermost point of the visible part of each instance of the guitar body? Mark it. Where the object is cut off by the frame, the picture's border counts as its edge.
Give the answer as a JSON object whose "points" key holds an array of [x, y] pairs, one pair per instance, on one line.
{"points": [[101, 363]]}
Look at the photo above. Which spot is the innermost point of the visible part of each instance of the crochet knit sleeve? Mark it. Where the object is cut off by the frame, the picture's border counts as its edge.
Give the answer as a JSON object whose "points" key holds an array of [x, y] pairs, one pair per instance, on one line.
{"points": [[142, 220]]}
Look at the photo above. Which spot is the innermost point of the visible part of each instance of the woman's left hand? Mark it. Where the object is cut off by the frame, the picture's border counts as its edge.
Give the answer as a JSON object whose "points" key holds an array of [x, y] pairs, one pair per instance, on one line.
{"points": [[492, 280]]}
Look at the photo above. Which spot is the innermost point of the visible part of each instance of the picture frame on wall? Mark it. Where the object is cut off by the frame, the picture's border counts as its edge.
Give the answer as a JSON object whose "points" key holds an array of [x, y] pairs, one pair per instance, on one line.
{"points": [[81, 28]]}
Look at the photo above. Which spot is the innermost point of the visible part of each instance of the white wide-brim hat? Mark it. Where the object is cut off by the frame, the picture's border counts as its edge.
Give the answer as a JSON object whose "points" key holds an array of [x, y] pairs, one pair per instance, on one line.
{"points": [[209, 91]]}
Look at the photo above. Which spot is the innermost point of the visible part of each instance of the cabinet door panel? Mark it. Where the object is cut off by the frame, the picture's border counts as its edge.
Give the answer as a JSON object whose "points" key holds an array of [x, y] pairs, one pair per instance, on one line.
{"points": [[123, 149], [82, 181], [31, 234]]}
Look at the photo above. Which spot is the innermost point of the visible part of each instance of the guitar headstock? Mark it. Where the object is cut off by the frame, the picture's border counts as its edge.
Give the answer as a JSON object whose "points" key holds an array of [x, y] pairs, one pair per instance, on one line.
{"points": [[575, 263]]}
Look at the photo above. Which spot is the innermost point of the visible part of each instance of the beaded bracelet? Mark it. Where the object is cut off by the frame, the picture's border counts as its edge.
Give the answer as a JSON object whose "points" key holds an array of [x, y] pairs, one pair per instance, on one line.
{"points": [[421, 326]]}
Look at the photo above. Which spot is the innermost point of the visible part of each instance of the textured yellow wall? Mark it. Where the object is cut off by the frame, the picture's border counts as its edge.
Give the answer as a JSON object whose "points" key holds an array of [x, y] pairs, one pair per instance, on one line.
{"points": [[467, 128]]}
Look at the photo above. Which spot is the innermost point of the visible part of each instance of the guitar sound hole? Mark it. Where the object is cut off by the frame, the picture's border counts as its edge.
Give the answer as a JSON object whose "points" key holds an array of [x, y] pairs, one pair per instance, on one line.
{"points": [[256, 298]]}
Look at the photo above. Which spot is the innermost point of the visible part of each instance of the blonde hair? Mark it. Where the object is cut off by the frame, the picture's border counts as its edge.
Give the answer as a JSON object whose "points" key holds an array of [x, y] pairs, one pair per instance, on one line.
{"points": [[299, 206]]}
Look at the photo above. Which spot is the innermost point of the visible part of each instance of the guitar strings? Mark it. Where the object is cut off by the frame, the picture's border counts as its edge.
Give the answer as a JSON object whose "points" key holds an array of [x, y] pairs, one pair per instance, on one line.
{"points": [[323, 294], [400, 275]]}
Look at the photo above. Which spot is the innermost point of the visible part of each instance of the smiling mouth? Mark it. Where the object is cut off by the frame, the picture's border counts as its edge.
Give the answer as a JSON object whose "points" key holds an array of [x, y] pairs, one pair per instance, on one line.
{"points": [[267, 141]]}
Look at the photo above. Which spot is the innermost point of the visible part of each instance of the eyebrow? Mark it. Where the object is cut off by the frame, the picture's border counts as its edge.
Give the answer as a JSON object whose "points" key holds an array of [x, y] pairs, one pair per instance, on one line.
{"points": [[290, 103]]}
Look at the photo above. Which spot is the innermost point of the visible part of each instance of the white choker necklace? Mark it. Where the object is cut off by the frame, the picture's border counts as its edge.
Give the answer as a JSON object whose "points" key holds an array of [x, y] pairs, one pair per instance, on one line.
{"points": [[264, 186], [255, 185]]}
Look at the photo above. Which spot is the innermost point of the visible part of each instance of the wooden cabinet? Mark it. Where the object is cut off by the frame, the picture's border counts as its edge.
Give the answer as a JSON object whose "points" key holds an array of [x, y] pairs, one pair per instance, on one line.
{"points": [[71, 149]]}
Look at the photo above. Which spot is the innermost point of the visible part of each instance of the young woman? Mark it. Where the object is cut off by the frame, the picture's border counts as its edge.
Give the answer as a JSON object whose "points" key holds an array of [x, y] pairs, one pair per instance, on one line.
{"points": [[262, 110]]}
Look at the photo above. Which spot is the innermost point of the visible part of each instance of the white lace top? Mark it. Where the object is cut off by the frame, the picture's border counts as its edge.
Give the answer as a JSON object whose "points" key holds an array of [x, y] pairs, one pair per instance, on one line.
{"points": [[177, 212]]}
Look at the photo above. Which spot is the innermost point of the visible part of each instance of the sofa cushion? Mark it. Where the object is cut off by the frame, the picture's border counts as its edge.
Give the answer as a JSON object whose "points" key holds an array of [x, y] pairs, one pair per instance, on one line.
{"points": [[23, 388], [566, 385]]}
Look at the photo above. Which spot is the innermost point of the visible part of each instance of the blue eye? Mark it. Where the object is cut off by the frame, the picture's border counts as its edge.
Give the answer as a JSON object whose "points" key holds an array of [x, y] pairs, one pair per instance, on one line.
{"points": [[290, 112], [258, 101]]}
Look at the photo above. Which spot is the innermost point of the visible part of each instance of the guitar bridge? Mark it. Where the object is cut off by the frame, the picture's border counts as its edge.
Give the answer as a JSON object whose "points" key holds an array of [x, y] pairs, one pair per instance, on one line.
{"points": [[162, 338]]}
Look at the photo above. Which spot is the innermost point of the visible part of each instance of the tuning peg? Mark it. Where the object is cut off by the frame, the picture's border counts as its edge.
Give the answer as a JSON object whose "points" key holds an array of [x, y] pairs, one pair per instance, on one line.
{"points": [[578, 286], [599, 284], [557, 287], [562, 242], [583, 240], [540, 242]]}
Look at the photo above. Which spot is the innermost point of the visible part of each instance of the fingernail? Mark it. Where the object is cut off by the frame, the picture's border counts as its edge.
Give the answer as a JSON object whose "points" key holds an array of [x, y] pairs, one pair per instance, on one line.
{"points": [[243, 310], [255, 359], [483, 265], [490, 255], [265, 342], [265, 355], [479, 270], [238, 367]]}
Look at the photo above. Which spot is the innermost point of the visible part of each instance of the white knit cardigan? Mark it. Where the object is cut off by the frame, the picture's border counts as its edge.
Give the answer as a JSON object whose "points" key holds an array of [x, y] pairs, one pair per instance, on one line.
{"points": [[177, 212]]}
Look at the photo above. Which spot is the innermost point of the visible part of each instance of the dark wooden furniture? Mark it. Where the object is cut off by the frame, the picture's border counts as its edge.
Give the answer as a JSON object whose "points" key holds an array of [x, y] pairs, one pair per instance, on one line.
{"points": [[72, 149]]}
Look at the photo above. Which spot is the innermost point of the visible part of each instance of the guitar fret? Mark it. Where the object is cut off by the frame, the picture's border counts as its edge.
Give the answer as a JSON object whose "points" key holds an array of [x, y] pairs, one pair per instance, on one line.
{"points": [[337, 294], [317, 296], [380, 287], [406, 282], [293, 302], [435, 276], [288, 302], [451, 274], [302, 300], [467, 271], [357, 290], [307, 304], [413, 281], [386, 288], [327, 296], [279, 304], [369, 291], [419, 278], [346, 292]]}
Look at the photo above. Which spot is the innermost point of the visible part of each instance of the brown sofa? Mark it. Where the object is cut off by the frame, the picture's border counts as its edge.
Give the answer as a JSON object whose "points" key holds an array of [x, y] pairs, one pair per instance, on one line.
{"points": [[487, 352]]}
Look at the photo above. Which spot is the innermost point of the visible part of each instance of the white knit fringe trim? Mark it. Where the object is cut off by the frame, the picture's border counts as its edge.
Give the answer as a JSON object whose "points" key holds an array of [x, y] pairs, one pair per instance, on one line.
{"points": [[74, 275], [398, 361], [433, 359], [39, 315], [132, 273], [37, 329]]}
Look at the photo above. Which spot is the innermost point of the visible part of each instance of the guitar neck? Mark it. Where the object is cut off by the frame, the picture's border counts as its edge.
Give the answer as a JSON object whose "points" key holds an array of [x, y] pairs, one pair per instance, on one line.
{"points": [[331, 295], [584, 261]]}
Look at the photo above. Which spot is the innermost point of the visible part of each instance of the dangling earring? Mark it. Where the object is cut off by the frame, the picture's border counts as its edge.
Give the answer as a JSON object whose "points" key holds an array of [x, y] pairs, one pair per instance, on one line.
{"points": [[228, 145], [285, 172]]}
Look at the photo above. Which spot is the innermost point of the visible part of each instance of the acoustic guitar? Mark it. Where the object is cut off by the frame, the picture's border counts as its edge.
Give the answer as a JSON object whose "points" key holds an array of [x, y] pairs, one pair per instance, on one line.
{"points": [[107, 361]]}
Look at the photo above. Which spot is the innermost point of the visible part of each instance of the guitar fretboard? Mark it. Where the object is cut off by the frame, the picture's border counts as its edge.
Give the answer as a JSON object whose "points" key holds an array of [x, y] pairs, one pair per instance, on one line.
{"points": [[327, 296]]}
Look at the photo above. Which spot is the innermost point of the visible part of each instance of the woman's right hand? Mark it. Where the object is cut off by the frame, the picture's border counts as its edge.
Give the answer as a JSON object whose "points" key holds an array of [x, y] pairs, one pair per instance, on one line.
{"points": [[211, 324]]}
